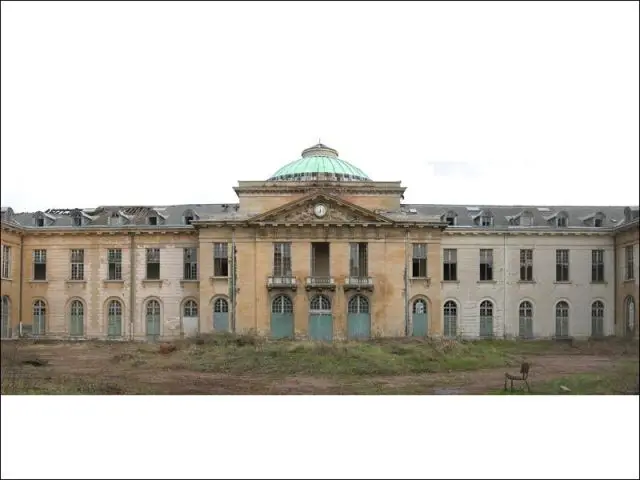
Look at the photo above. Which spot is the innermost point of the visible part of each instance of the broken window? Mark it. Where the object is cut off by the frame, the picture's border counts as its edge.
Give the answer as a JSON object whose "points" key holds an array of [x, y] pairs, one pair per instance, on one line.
{"points": [[597, 266], [39, 264], [77, 264], [114, 259], [190, 264], [282, 260], [562, 265], [419, 264], [526, 265], [450, 264], [153, 264], [486, 265], [220, 260]]}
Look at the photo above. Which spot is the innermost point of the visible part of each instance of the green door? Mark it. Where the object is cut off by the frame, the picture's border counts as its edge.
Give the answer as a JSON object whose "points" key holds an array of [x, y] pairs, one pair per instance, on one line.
{"points": [[4, 314], [76, 327], [562, 319], [525, 324], [450, 319], [597, 319], [486, 319], [282, 317], [419, 318], [153, 320], [320, 319], [221, 315], [39, 318], [114, 319], [358, 318]]}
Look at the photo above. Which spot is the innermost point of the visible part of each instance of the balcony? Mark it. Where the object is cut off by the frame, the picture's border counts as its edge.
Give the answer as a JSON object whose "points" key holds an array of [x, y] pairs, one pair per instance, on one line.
{"points": [[278, 282], [320, 283], [358, 283]]}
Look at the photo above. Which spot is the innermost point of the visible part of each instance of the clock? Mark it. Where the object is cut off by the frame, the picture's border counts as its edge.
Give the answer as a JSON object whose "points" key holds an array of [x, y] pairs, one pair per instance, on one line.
{"points": [[320, 210]]}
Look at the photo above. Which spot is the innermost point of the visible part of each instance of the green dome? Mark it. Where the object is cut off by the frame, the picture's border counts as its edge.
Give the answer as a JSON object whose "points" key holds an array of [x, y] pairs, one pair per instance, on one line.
{"points": [[319, 163]]}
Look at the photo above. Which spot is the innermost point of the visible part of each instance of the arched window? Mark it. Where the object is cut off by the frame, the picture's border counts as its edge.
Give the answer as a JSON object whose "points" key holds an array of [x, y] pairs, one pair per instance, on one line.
{"points": [[77, 319], [114, 319], [597, 319], [4, 317], [39, 317], [282, 304], [190, 308], [358, 304], [450, 318], [420, 306], [221, 305], [320, 302], [562, 319], [486, 319], [630, 315], [525, 319]]}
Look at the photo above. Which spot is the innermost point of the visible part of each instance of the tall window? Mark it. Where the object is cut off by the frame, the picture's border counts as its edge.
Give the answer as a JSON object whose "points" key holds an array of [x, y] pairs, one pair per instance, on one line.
{"points": [[114, 259], [525, 324], [597, 266], [486, 319], [359, 260], [628, 261], [77, 264], [114, 319], [562, 319], [597, 319], [190, 263], [282, 259], [153, 264], [562, 265], [450, 318], [450, 264], [419, 266], [6, 261], [526, 265], [39, 317], [39, 264], [486, 264], [220, 259]]}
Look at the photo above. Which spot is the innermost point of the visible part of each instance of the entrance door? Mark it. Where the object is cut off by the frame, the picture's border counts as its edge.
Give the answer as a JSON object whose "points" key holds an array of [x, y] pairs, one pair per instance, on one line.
{"points": [[282, 317], [320, 319], [153, 320], [358, 318], [221, 315], [190, 319], [419, 318]]}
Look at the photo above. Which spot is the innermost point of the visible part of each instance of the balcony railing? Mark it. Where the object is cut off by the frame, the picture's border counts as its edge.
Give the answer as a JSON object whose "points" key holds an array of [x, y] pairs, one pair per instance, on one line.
{"points": [[282, 282], [320, 283], [358, 283]]}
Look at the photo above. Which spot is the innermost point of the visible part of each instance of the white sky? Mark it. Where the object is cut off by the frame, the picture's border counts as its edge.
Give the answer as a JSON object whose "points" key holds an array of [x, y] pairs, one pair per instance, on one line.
{"points": [[141, 103]]}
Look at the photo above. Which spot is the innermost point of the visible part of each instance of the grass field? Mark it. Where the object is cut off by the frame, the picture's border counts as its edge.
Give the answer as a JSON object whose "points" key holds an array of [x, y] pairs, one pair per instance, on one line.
{"points": [[229, 364]]}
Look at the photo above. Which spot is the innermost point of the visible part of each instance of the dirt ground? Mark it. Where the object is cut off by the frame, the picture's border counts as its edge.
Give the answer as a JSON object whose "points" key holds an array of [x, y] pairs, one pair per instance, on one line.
{"points": [[102, 369]]}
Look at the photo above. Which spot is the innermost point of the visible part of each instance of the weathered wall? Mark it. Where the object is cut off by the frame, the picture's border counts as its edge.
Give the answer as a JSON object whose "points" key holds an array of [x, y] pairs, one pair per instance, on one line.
{"points": [[627, 288], [10, 285]]}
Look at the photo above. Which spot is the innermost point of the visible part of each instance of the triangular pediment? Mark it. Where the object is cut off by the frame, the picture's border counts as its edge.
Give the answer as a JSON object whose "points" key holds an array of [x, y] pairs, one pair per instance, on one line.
{"points": [[307, 210]]}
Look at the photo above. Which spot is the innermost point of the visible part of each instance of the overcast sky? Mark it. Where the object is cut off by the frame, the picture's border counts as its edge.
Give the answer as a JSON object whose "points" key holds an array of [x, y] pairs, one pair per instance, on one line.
{"points": [[163, 103]]}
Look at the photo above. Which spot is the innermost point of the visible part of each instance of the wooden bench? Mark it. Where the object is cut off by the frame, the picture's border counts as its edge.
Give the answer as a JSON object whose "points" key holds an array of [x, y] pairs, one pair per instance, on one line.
{"points": [[523, 377]]}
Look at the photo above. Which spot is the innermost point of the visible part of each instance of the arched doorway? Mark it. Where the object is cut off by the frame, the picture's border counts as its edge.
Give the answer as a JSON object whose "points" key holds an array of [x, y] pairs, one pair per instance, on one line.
{"points": [[525, 320], [630, 315], [450, 319], [76, 324], [114, 319], [221, 315], [190, 319], [320, 319], [597, 319], [419, 318], [562, 319], [282, 317], [358, 318], [4, 317], [39, 318], [153, 320], [486, 319]]}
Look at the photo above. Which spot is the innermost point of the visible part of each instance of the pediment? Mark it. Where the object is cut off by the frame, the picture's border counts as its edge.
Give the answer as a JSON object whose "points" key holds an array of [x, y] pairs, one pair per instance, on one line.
{"points": [[337, 211]]}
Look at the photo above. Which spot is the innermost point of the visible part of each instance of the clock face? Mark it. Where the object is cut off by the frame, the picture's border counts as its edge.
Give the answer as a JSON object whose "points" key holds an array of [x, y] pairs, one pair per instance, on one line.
{"points": [[320, 210]]}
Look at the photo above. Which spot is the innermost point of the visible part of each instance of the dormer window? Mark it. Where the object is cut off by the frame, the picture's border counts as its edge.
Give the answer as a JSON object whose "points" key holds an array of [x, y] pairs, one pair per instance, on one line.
{"points": [[486, 220], [562, 221], [526, 219], [39, 222], [77, 221], [450, 218], [597, 222], [189, 216], [153, 220], [114, 219]]}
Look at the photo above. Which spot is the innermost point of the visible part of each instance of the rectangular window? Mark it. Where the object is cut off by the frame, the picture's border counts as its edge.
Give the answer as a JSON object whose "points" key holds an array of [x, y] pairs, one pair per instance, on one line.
{"points": [[359, 262], [220, 259], [153, 264], [629, 264], [114, 259], [419, 265], [597, 266], [39, 264], [562, 265], [190, 263], [6, 261], [486, 220], [526, 265], [282, 260], [561, 222], [77, 264], [486, 264], [450, 265]]}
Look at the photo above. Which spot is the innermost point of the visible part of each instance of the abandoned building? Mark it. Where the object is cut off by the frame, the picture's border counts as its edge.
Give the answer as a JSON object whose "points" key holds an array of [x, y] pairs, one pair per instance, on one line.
{"points": [[320, 251]]}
